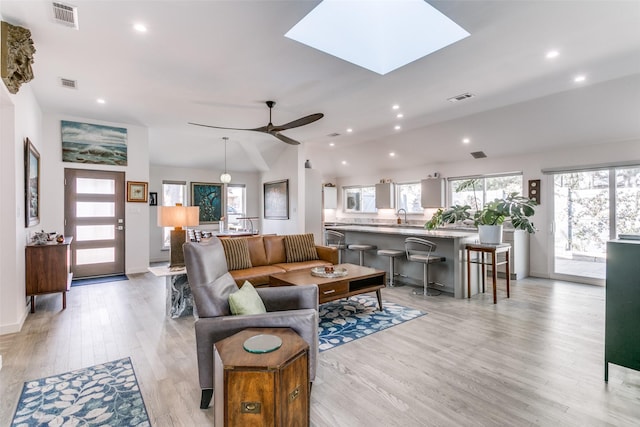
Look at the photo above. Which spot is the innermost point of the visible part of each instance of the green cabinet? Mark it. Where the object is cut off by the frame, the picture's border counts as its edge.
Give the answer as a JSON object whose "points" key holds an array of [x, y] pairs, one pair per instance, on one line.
{"points": [[622, 320]]}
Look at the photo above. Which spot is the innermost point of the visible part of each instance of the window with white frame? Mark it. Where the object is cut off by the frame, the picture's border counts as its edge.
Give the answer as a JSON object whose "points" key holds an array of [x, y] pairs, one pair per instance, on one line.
{"points": [[475, 191], [408, 197], [359, 199], [173, 192], [236, 205]]}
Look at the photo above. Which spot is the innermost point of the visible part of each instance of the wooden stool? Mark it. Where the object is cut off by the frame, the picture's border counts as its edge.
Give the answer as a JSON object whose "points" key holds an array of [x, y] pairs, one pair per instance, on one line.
{"points": [[494, 250], [392, 254]]}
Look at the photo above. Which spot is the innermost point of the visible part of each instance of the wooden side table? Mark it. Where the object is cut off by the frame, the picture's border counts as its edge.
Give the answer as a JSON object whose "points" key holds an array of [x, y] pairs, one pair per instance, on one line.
{"points": [[268, 389], [492, 250], [47, 270]]}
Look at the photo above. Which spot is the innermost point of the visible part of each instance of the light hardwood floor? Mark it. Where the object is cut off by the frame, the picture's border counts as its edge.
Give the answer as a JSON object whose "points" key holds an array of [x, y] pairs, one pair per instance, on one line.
{"points": [[535, 359]]}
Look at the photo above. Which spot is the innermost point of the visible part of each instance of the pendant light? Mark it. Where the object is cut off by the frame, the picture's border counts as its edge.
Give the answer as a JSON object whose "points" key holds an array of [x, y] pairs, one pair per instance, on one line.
{"points": [[225, 177]]}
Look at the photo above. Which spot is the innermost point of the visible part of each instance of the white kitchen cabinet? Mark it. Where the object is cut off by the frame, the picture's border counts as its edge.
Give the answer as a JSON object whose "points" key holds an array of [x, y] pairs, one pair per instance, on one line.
{"points": [[385, 196], [432, 193], [330, 197]]}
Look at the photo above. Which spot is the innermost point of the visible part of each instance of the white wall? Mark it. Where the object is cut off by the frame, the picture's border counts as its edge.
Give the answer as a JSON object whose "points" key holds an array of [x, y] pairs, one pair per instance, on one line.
{"points": [[20, 118], [137, 169], [530, 166], [159, 173]]}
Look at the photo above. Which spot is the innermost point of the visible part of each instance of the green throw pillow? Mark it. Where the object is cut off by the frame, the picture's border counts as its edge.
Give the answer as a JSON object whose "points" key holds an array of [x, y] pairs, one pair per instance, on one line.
{"points": [[246, 301]]}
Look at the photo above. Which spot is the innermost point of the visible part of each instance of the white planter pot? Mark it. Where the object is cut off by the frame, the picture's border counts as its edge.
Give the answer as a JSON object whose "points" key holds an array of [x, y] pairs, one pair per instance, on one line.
{"points": [[490, 234]]}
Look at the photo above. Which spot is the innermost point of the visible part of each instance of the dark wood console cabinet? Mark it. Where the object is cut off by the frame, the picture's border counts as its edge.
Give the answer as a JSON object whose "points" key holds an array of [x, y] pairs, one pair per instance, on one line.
{"points": [[47, 270]]}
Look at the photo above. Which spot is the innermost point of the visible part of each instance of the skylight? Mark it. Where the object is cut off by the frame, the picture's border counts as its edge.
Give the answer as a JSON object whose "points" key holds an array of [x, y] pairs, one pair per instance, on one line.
{"points": [[381, 35]]}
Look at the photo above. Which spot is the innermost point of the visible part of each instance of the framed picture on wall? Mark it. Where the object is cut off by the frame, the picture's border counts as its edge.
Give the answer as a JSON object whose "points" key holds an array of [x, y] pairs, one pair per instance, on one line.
{"points": [[137, 191], [276, 199], [31, 184], [209, 197]]}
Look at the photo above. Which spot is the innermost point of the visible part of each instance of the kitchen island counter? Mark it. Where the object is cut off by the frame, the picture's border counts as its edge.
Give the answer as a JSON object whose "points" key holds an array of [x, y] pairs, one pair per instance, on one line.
{"points": [[450, 244]]}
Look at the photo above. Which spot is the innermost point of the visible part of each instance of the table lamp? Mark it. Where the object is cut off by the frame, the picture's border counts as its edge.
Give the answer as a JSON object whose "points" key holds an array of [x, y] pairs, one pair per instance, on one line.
{"points": [[178, 216]]}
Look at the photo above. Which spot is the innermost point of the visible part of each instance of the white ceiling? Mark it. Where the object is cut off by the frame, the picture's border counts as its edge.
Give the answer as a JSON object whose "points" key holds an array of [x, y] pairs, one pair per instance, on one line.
{"points": [[216, 62]]}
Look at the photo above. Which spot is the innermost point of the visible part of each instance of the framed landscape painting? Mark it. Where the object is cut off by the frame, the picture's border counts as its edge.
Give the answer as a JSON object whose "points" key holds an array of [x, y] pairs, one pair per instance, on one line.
{"points": [[31, 184], [96, 144], [208, 196], [276, 199]]}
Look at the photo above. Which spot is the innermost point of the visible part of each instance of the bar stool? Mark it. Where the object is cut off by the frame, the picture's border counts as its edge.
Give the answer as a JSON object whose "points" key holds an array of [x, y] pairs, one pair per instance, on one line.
{"points": [[392, 254], [362, 248], [421, 250], [335, 239]]}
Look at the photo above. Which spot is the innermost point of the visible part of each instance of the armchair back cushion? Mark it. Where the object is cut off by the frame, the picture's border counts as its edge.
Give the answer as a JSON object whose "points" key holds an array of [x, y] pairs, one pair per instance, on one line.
{"points": [[211, 283]]}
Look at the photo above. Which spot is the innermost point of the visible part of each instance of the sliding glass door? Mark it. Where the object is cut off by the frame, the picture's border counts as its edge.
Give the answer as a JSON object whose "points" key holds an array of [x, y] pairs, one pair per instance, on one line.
{"points": [[589, 208]]}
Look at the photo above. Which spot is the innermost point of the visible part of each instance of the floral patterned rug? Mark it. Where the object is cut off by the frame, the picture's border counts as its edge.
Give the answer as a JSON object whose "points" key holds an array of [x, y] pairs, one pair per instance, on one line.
{"points": [[346, 320], [102, 395]]}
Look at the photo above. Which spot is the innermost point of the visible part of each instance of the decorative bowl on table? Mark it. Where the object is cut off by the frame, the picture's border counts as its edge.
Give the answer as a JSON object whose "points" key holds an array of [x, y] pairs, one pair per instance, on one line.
{"points": [[329, 272]]}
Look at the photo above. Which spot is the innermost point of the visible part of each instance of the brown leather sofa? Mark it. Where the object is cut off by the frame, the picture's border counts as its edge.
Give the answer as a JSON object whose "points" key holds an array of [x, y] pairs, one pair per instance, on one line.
{"points": [[268, 256]]}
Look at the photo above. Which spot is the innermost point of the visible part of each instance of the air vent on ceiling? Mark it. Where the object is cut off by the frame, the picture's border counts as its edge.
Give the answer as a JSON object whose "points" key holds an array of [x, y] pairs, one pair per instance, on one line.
{"points": [[68, 83], [65, 14], [333, 135], [478, 155], [461, 97]]}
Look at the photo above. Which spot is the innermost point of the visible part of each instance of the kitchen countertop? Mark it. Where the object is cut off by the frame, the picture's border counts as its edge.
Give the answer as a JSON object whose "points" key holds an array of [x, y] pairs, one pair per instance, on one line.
{"points": [[406, 231]]}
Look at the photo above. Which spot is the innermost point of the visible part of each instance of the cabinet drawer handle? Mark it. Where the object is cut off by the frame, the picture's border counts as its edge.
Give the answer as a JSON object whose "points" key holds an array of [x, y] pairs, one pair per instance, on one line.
{"points": [[329, 292], [294, 394], [250, 407]]}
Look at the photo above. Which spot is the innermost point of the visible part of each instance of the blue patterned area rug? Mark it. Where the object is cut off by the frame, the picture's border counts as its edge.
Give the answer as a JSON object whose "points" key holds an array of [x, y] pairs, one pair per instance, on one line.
{"points": [[102, 395], [348, 319]]}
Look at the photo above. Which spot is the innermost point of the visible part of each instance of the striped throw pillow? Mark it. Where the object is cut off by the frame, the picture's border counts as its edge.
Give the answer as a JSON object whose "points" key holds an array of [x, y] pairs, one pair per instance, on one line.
{"points": [[300, 247], [236, 251]]}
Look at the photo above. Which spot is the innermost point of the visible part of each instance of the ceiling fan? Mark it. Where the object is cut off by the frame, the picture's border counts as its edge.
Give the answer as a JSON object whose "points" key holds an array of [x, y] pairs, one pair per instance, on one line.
{"points": [[275, 130]]}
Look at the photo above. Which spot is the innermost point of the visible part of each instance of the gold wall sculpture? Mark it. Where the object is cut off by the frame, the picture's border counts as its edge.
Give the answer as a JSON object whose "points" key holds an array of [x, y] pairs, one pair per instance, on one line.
{"points": [[16, 56]]}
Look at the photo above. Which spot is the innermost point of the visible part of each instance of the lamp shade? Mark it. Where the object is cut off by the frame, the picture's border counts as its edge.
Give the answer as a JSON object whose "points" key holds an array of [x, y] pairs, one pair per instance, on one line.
{"points": [[178, 216]]}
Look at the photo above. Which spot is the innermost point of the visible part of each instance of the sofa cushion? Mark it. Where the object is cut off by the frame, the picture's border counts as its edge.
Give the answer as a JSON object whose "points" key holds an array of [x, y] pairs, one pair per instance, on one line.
{"points": [[212, 299], [256, 251], [236, 251], [246, 301], [256, 275], [274, 248], [300, 247]]}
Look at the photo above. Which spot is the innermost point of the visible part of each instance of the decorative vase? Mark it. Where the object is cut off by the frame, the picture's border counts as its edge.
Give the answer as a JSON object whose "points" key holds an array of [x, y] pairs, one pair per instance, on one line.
{"points": [[490, 234]]}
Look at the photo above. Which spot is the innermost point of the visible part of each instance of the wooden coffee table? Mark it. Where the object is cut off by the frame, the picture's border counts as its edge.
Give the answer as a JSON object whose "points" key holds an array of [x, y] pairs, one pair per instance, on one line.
{"points": [[359, 280]]}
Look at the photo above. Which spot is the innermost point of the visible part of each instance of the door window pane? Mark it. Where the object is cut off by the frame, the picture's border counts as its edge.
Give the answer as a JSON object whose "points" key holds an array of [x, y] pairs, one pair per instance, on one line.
{"points": [[95, 186], [95, 256], [627, 201], [581, 218], [95, 209], [95, 232]]}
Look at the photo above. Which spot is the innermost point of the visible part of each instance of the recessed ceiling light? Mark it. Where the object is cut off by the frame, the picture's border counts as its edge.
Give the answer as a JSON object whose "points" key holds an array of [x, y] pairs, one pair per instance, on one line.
{"points": [[101, 101], [392, 154], [332, 144], [552, 54], [466, 140], [400, 115], [351, 30], [397, 127], [580, 78], [344, 162], [141, 28], [395, 106], [349, 130]]}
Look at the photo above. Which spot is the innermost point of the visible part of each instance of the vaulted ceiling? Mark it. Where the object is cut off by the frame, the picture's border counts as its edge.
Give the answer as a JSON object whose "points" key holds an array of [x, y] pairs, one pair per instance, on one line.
{"points": [[217, 62]]}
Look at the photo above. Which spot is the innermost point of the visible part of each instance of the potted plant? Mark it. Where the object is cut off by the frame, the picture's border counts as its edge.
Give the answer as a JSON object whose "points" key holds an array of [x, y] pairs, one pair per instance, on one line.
{"points": [[490, 218], [455, 213]]}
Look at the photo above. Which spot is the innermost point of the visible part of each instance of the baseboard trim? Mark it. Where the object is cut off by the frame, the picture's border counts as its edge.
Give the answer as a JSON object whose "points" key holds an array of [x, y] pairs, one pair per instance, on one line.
{"points": [[14, 328]]}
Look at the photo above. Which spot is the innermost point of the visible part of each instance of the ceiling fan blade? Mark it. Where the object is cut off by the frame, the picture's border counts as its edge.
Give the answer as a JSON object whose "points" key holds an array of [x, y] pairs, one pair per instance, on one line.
{"points": [[283, 138], [260, 129], [297, 123]]}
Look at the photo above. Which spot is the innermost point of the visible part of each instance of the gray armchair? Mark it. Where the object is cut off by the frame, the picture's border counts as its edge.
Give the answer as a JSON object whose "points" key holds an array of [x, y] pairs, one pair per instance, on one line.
{"points": [[294, 307]]}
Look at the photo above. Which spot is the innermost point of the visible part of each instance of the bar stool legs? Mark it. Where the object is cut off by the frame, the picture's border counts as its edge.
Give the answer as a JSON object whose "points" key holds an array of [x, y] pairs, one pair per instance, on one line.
{"points": [[362, 249], [392, 254]]}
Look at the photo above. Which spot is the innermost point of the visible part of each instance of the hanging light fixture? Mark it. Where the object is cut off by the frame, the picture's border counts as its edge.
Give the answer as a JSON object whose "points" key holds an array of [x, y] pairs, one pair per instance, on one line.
{"points": [[225, 177]]}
